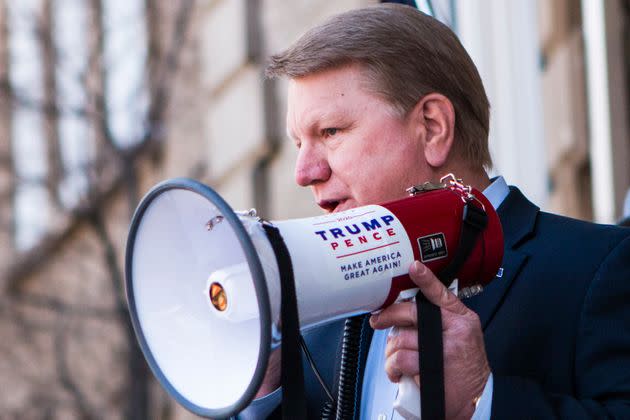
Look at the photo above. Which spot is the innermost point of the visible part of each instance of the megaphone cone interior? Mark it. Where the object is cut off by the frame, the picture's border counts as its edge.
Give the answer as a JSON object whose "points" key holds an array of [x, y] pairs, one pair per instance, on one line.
{"points": [[211, 363]]}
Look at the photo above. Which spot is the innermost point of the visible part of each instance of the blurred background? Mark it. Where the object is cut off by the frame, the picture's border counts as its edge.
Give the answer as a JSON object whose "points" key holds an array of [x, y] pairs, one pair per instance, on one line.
{"points": [[101, 99]]}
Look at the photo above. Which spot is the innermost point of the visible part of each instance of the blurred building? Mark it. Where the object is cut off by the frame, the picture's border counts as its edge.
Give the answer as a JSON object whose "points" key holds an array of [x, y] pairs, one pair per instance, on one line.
{"points": [[557, 73]]}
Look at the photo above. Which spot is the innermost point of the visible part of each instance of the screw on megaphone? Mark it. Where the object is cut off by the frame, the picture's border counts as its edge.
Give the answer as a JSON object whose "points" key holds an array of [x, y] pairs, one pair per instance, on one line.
{"points": [[213, 222]]}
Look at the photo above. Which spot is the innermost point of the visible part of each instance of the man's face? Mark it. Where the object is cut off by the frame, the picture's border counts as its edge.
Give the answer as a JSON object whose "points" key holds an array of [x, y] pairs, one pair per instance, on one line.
{"points": [[353, 147]]}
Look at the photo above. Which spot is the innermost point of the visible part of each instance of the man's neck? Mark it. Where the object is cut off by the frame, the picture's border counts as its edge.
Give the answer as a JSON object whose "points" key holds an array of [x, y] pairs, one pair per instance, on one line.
{"points": [[480, 181]]}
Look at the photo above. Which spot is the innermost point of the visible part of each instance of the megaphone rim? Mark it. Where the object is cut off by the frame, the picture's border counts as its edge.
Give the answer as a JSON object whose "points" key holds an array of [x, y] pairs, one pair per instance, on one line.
{"points": [[260, 286]]}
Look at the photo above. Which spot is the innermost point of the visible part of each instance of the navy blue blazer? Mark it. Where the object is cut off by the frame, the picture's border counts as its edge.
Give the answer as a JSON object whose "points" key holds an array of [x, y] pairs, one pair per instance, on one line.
{"points": [[556, 323]]}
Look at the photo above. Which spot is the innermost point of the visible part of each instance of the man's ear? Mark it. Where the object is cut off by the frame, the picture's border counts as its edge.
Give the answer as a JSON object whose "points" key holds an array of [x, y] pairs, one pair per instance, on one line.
{"points": [[435, 118]]}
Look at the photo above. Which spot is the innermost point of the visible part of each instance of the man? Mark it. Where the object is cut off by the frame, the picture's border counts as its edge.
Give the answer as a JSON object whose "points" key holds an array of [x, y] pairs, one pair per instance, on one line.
{"points": [[386, 97]]}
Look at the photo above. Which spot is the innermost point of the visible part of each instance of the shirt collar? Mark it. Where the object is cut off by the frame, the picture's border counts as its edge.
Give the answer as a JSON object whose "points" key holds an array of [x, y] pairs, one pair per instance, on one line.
{"points": [[496, 191]]}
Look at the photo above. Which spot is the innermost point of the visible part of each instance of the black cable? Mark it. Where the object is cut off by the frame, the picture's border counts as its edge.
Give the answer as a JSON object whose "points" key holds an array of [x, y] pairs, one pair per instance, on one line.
{"points": [[328, 412], [350, 347], [307, 353]]}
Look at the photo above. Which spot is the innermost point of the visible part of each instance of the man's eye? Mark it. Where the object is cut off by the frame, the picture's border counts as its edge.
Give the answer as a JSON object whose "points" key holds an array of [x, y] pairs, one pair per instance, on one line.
{"points": [[328, 132]]}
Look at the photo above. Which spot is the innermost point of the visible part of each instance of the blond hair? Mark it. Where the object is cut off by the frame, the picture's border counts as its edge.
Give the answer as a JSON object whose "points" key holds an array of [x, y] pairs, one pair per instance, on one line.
{"points": [[405, 55]]}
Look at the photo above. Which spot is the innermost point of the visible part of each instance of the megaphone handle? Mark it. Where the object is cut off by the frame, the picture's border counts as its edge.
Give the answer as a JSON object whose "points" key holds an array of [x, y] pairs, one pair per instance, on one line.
{"points": [[408, 402], [430, 405]]}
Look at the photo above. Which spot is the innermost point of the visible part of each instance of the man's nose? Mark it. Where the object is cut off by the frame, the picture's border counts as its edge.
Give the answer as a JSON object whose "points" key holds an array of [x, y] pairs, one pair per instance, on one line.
{"points": [[311, 166]]}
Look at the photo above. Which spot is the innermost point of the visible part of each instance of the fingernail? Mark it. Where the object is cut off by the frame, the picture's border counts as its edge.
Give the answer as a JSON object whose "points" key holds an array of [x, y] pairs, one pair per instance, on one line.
{"points": [[419, 268]]}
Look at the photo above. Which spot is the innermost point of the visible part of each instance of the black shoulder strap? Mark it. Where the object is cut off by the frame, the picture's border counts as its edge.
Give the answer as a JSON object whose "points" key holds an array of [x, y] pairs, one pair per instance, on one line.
{"points": [[293, 395], [474, 221], [431, 359], [430, 344]]}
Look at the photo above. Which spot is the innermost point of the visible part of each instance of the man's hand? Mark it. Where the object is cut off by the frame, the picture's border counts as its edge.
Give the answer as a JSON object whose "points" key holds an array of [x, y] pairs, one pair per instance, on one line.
{"points": [[271, 381], [466, 368]]}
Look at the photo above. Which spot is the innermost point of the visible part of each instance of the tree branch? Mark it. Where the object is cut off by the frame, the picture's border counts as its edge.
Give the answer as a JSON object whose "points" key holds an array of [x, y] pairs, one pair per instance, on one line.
{"points": [[85, 410]]}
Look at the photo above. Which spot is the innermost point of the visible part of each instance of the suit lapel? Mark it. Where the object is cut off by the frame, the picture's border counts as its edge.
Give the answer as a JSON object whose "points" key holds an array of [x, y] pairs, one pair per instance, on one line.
{"points": [[518, 219], [487, 302]]}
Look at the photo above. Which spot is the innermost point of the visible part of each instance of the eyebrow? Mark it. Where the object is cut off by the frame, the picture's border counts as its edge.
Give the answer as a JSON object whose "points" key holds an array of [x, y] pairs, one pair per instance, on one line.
{"points": [[323, 120]]}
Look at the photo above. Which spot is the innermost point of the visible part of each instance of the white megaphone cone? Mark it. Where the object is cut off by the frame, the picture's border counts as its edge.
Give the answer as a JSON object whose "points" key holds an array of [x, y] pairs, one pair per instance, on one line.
{"points": [[203, 282]]}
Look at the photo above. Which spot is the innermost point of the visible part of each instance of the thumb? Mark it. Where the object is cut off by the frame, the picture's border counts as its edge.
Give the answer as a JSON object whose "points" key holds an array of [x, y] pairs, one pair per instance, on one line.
{"points": [[433, 289]]}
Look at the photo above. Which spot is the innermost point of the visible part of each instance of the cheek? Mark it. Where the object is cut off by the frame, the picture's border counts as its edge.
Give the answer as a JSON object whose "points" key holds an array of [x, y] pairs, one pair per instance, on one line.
{"points": [[386, 188], [345, 165], [374, 186], [391, 174], [376, 168]]}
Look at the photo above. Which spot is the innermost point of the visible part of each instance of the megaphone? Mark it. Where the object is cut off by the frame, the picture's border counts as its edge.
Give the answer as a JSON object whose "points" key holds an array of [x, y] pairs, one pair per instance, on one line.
{"points": [[203, 285]]}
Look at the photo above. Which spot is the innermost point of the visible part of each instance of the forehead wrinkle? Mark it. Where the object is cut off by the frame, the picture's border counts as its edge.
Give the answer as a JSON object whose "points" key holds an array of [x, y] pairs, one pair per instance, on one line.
{"points": [[310, 107], [317, 119]]}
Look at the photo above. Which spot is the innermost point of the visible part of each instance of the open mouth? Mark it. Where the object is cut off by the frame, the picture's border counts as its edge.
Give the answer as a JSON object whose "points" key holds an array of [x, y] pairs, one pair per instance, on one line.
{"points": [[330, 206]]}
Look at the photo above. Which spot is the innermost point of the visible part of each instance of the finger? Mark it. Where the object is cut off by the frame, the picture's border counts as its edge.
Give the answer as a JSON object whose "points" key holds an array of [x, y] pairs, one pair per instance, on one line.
{"points": [[406, 339], [402, 314], [403, 362], [433, 289]]}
